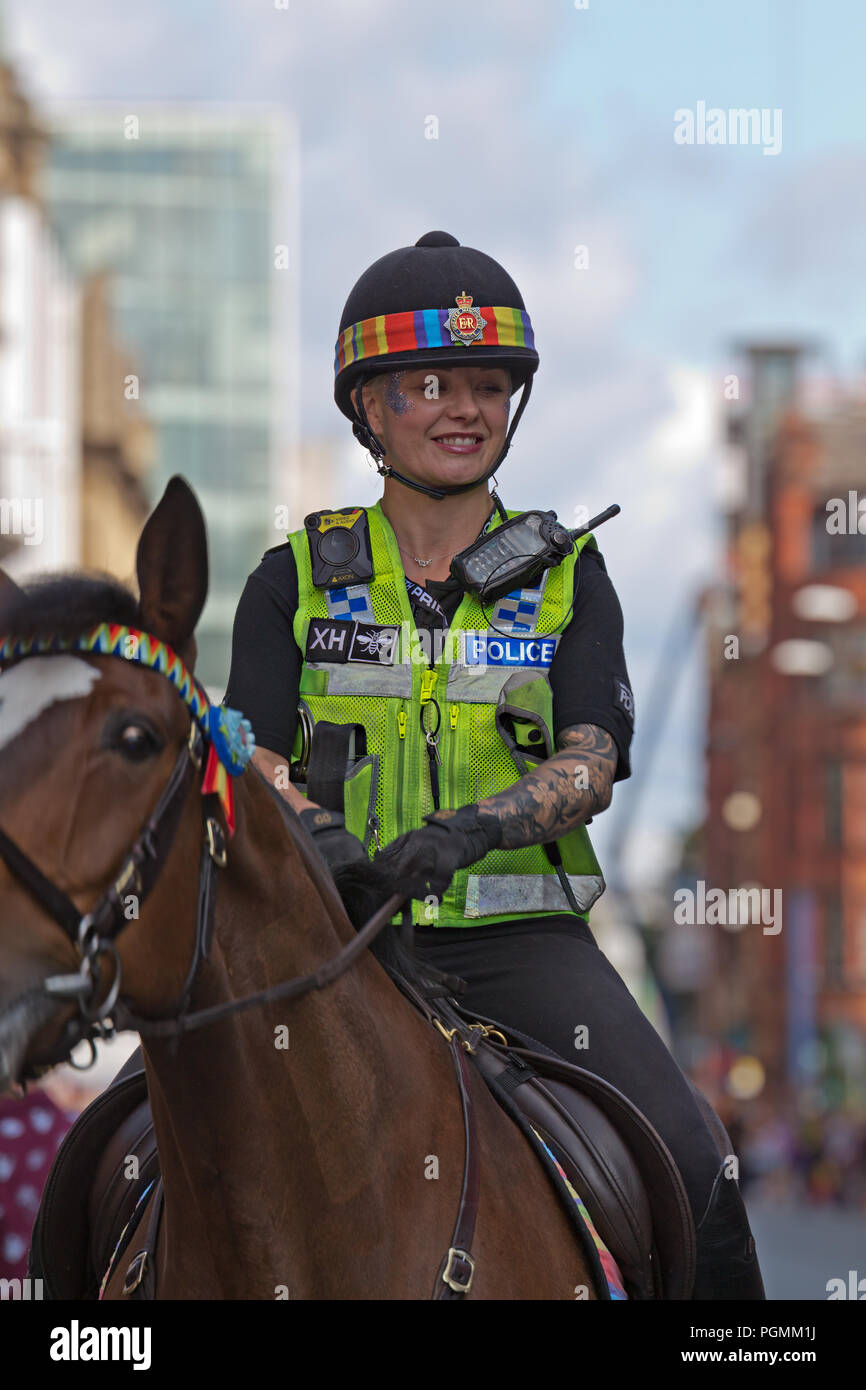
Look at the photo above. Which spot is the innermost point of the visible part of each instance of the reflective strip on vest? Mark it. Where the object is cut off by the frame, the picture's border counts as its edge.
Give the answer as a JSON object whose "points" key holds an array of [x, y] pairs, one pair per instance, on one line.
{"points": [[356, 679], [528, 893]]}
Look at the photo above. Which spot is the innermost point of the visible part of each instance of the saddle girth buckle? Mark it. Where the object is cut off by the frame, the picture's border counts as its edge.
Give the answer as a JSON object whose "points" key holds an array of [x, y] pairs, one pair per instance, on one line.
{"points": [[460, 1280], [136, 1272]]}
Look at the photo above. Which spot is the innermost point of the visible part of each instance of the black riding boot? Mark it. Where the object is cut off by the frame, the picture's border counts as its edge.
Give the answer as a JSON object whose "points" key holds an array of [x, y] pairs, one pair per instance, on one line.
{"points": [[727, 1263]]}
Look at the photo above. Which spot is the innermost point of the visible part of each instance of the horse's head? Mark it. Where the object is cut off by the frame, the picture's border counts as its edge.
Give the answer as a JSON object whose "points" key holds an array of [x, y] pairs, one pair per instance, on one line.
{"points": [[88, 744]]}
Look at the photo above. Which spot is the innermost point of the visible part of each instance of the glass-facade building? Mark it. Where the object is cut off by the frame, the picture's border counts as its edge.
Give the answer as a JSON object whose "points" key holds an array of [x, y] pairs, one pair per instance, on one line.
{"points": [[192, 211]]}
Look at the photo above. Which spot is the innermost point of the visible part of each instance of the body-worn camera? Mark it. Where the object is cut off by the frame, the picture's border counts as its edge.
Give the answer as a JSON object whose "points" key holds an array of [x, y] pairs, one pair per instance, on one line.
{"points": [[517, 552], [339, 547]]}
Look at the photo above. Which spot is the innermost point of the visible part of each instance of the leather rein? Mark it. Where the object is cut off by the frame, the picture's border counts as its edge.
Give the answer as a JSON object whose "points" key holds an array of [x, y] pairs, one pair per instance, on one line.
{"points": [[94, 934]]}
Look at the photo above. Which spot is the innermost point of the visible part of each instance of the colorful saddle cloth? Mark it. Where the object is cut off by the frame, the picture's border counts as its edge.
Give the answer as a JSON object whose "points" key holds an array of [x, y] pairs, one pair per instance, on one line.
{"points": [[608, 1263]]}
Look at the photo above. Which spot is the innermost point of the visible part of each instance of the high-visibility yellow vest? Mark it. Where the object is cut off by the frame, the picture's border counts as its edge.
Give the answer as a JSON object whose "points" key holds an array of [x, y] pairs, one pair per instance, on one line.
{"points": [[489, 662]]}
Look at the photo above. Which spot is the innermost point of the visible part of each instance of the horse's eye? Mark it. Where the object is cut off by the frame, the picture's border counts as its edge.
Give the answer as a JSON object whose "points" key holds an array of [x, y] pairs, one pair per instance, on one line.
{"points": [[136, 742]]}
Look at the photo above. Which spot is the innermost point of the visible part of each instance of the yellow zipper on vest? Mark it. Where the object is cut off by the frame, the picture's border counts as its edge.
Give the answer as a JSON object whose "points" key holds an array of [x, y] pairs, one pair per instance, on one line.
{"points": [[431, 736], [453, 712]]}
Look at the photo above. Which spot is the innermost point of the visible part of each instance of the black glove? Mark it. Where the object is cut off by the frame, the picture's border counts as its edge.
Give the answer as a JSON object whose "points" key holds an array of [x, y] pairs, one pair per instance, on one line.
{"points": [[335, 843], [424, 861]]}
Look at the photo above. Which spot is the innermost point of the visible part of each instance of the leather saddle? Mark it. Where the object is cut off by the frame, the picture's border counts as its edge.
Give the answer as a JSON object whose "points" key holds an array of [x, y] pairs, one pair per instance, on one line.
{"points": [[612, 1155], [92, 1189]]}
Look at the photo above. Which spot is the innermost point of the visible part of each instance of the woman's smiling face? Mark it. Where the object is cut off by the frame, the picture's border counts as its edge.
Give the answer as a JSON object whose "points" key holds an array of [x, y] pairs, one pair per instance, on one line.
{"points": [[440, 424]]}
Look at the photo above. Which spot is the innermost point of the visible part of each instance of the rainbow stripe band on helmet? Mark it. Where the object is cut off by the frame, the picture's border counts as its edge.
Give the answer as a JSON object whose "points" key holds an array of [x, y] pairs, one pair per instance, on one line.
{"points": [[229, 734], [428, 328]]}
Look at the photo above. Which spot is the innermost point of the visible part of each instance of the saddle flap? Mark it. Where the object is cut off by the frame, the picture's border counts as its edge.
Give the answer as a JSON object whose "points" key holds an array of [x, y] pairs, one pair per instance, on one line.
{"points": [[59, 1246], [118, 1182], [594, 1157], [604, 1173], [673, 1231]]}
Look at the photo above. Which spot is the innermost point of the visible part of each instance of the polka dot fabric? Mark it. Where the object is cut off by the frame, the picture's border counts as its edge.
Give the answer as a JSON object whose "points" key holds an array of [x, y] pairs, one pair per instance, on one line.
{"points": [[31, 1130]]}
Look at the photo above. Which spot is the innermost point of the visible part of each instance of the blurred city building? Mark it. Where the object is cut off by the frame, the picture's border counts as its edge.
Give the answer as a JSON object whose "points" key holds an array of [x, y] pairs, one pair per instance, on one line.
{"points": [[191, 210], [618, 936], [785, 1001], [118, 442], [40, 358], [73, 447], [318, 483]]}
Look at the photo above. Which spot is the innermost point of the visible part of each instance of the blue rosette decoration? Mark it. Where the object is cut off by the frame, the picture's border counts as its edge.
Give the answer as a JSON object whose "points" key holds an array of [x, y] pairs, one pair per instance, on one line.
{"points": [[232, 737]]}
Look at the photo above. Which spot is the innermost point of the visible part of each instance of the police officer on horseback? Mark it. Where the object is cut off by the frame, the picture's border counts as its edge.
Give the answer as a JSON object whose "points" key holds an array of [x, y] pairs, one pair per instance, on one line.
{"points": [[469, 714]]}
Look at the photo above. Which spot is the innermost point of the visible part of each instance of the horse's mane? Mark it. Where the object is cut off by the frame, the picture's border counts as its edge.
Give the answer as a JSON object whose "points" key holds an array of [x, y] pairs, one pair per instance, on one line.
{"points": [[364, 887], [67, 604]]}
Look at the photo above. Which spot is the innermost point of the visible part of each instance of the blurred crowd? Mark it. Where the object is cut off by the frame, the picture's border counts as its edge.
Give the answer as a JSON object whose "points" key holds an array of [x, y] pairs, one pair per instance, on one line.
{"points": [[31, 1129], [818, 1158]]}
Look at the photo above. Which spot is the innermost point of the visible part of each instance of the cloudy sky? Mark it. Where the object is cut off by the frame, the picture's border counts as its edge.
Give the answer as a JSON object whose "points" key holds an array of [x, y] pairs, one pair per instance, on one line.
{"points": [[555, 129]]}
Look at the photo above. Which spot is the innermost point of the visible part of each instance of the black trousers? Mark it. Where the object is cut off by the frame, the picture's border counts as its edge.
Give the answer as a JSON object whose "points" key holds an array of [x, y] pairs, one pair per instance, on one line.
{"points": [[551, 980]]}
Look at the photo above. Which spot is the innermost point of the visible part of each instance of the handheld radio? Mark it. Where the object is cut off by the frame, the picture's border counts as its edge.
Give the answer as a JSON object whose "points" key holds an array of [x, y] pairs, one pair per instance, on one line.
{"points": [[518, 551]]}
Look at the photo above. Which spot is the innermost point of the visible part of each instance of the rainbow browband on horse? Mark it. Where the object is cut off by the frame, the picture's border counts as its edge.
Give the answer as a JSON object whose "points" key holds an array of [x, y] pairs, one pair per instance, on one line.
{"points": [[229, 735]]}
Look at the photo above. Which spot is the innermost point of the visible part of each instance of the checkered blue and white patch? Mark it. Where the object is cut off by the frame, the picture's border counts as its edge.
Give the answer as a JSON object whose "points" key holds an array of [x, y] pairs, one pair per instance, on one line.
{"points": [[350, 601], [517, 613]]}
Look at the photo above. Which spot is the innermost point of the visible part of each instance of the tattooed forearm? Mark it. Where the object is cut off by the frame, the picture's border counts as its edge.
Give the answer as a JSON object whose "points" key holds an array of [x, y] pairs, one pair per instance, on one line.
{"points": [[562, 792]]}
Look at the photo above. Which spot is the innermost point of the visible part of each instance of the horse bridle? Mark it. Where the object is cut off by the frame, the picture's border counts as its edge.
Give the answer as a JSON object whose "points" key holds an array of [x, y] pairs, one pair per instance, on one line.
{"points": [[96, 931]]}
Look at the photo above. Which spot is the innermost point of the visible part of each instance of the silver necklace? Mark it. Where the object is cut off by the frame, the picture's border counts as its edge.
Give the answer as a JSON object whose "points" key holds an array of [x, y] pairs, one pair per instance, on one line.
{"points": [[422, 563], [425, 563]]}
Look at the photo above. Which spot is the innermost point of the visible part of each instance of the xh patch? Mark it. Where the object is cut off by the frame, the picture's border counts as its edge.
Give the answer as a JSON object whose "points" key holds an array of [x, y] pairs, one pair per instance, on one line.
{"points": [[341, 639]]}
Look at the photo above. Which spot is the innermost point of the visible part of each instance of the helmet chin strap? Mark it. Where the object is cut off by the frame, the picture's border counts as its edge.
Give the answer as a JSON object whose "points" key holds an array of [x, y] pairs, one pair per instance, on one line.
{"points": [[364, 433]]}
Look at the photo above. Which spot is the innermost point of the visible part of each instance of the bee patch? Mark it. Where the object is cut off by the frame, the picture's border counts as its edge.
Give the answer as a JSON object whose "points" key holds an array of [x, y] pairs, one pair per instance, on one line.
{"points": [[372, 642]]}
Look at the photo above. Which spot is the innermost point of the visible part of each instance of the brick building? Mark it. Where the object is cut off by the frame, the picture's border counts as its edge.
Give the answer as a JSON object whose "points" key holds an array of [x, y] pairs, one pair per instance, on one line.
{"points": [[786, 740]]}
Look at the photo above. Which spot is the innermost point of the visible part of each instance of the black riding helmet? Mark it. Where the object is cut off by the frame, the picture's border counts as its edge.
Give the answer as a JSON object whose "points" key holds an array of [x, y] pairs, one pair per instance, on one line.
{"points": [[434, 304]]}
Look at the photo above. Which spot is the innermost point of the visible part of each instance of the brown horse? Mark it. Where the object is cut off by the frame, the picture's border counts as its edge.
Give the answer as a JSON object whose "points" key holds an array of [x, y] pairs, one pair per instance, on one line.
{"points": [[311, 1167]]}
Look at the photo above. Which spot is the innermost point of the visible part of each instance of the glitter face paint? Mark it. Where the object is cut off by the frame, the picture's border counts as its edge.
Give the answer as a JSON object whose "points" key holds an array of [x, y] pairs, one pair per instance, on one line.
{"points": [[394, 397]]}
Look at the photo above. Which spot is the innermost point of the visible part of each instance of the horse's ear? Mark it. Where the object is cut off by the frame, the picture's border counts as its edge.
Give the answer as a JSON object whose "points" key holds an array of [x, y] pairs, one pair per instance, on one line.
{"points": [[172, 566], [8, 589]]}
